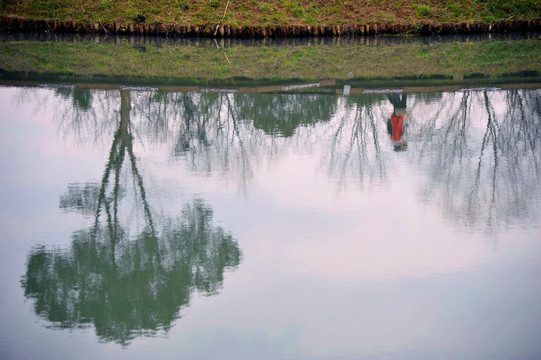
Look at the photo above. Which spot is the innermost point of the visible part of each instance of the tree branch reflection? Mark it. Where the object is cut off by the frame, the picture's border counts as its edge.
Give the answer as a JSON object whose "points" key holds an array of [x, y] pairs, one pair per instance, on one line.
{"points": [[228, 133], [483, 159], [355, 142], [477, 151], [127, 283]]}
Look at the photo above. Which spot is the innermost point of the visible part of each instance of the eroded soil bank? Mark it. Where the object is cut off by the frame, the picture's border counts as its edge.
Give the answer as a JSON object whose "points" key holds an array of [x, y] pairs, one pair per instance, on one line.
{"points": [[11, 24]]}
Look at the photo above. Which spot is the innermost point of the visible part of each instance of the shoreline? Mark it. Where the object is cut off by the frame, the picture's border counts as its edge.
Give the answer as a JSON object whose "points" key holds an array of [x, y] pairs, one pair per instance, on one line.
{"points": [[14, 25], [322, 87]]}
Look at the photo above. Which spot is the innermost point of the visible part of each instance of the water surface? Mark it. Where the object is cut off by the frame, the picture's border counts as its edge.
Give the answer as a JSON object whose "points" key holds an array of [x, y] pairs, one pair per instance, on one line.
{"points": [[138, 223]]}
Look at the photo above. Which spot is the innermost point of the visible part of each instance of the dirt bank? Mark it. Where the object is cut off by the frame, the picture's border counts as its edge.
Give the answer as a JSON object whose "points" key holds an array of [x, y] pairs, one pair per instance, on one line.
{"points": [[12, 24]]}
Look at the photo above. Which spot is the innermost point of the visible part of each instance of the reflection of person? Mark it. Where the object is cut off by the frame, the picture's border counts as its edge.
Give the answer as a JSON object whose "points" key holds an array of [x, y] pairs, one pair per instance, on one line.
{"points": [[396, 126]]}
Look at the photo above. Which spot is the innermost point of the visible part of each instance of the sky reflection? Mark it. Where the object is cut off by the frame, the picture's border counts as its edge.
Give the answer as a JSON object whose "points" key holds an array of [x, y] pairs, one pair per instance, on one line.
{"points": [[349, 248]]}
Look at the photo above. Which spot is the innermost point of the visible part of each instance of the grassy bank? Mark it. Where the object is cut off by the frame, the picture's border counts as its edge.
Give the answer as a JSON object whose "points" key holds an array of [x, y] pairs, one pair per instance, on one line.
{"points": [[194, 64], [273, 12]]}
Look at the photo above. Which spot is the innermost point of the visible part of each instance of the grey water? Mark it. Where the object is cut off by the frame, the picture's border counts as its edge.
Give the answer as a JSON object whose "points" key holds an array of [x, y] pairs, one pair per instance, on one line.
{"points": [[288, 41], [141, 224]]}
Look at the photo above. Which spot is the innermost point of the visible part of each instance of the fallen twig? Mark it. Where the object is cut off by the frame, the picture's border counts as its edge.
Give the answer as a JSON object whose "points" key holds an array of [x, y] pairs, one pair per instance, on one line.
{"points": [[223, 51], [223, 17], [104, 29]]}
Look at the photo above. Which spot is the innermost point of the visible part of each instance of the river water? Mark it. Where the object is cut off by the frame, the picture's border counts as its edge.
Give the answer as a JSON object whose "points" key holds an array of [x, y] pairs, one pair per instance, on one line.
{"points": [[143, 224]]}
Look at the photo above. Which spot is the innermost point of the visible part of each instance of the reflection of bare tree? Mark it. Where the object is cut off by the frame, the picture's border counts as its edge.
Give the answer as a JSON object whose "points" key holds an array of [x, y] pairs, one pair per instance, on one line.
{"points": [[127, 283], [81, 113], [355, 141], [204, 130], [221, 132], [483, 158], [458, 140], [88, 115]]}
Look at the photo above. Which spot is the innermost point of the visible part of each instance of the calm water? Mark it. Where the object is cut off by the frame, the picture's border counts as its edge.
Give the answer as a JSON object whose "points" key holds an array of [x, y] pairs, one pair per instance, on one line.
{"points": [[139, 224]]}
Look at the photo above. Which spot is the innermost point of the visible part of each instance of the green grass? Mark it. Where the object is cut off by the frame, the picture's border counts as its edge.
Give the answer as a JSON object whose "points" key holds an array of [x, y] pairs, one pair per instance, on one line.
{"points": [[274, 63], [423, 10], [273, 12]]}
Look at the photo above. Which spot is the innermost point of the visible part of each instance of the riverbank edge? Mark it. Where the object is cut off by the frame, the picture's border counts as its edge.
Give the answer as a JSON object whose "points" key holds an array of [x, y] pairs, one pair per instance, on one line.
{"points": [[14, 24], [323, 87]]}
